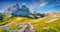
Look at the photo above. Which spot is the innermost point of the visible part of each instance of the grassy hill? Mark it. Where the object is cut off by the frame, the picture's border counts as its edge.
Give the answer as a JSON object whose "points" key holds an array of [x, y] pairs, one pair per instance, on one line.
{"points": [[49, 23]]}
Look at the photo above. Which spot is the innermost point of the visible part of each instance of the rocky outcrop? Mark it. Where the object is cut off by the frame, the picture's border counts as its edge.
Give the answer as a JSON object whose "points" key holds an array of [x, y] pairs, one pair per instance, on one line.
{"points": [[29, 28]]}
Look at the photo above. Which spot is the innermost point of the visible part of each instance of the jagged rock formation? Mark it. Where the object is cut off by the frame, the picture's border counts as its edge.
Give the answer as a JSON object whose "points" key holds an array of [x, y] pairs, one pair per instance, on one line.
{"points": [[23, 11], [11, 9], [15, 10]]}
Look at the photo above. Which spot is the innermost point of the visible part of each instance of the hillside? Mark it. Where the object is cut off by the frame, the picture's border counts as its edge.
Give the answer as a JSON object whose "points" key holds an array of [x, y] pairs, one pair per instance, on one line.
{"points": [[49, 23]]}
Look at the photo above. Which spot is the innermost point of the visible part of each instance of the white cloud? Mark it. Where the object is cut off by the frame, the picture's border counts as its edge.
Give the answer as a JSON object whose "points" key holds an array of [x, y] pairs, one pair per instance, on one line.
{"points": [[43, 4], [23, 3], [57, 3]]}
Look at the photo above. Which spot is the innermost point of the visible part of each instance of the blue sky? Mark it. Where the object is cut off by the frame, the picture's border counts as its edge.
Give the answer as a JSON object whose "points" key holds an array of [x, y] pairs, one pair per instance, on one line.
{"points": [[40, 6]]}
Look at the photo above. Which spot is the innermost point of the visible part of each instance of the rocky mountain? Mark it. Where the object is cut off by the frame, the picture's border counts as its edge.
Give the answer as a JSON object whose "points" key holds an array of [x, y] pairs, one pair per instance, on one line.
{"points": [[15, 10], [11, 9], [36, 15], [24, 11], [52, 13]]}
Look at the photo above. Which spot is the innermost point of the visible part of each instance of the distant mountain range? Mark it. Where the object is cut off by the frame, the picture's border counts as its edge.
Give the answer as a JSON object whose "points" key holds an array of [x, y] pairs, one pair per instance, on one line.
{"points": [[24, 11]]}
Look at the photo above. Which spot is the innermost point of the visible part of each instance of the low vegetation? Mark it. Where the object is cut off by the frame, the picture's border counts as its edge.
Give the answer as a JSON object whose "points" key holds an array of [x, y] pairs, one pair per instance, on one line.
{"points": [[46, 24]]}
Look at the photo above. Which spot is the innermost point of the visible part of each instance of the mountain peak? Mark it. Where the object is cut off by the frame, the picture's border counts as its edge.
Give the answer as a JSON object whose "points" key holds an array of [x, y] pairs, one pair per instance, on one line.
{"points": [[12, 8], [16, 6]]}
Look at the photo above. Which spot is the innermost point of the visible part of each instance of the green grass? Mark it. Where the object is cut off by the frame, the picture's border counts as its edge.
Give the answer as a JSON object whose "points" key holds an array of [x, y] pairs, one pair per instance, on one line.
{"points": [[38, 26]]}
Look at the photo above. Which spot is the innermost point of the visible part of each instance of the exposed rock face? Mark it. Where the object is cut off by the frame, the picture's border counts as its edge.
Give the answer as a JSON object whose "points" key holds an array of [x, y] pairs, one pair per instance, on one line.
{"points": [[21, 28], [11, 9], [26, 28], [15, 10], [29, 28], [23, 11]]}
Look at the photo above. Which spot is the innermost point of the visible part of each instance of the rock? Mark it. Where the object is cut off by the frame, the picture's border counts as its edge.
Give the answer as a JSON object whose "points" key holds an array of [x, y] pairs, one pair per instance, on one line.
{"points": [[29, 28]]}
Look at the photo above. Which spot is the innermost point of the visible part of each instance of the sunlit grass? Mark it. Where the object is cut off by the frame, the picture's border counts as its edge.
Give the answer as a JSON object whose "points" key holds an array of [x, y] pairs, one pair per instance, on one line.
{"points": [[38, 24]]}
